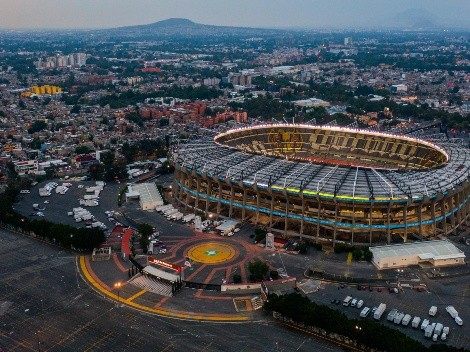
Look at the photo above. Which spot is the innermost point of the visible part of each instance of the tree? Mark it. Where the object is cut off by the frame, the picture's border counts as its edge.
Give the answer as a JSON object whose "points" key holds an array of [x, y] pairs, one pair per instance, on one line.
{"points": [[237, 279], [37, 126], [357, 254], [75, 109], [258, 270], [82, 149], [368, 255], [145, 231]]}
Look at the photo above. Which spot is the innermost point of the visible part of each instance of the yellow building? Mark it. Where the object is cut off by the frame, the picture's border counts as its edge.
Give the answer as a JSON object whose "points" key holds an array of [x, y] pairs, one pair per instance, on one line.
{"points": [[42, 90]]}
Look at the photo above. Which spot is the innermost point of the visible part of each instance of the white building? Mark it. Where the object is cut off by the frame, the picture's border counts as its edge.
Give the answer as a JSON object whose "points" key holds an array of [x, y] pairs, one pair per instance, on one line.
{"points": [[436, 253], [147, 193]]}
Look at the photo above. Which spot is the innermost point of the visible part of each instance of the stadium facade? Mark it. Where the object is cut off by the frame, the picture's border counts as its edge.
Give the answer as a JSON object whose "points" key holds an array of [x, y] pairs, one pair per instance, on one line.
{"points": [[328, 183]]}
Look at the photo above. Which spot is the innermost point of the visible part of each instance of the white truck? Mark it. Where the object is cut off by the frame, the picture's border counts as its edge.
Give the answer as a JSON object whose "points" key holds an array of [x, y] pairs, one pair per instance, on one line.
{"points": [[365, 312], [452, 311], [406, 320], [347, 301], [424, 324], [170, 212], [398, 318], [432, 311], [438, 328], [391, 315], [162, 208], [175, 216], [189, 217], [380, 310], [415, 322], [90, 196], [89, 202], [429, 330]]}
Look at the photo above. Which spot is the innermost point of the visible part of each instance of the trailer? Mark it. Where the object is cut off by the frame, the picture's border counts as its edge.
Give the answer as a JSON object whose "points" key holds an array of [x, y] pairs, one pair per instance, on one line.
{"points": [[438, 328], [380, 310], [189, 217], [398, 318], [452, 311], [406, 320], [391, 315], [177, 216], [429, 330], [170, 212], [415, 322], [365, 312]]}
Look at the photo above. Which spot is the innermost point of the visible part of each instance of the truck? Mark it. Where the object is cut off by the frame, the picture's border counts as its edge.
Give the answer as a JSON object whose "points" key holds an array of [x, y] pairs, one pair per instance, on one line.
{"points": [[438, 328], [415, 322], [89, 202], [170, 212], [162, 208], [424, 324], [347, 301], [432, 311], [406, 320], [452, 311], [391, 315], [380, 310], [188, 217], [179, 216], [429, 329], [365, 312], [90, 196], [398, 318]]}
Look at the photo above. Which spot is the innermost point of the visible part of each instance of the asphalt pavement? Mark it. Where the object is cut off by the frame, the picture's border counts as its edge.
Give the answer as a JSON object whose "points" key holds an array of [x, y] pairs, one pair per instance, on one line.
{"points": [[46, 306]]}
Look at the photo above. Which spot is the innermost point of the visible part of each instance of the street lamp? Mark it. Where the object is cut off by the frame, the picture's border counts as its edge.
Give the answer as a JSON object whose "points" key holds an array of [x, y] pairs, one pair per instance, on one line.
{"points": [[117, 286]]}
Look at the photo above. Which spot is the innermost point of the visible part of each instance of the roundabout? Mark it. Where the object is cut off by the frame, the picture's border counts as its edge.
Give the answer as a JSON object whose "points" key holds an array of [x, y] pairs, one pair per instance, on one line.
{"points": [[212, 253]]}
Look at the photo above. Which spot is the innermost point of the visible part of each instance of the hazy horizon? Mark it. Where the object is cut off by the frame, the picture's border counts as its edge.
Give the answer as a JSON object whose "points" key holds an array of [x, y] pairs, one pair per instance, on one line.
{"points": [[348, 14]]}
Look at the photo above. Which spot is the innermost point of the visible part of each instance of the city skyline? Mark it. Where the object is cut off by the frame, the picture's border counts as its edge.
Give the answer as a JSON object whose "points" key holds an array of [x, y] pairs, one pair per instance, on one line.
{"points": [[70, 14]]}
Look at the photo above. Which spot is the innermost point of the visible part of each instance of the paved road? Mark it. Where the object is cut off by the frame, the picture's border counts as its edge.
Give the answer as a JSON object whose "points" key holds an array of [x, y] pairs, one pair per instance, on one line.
{"points": [[45, 305]]}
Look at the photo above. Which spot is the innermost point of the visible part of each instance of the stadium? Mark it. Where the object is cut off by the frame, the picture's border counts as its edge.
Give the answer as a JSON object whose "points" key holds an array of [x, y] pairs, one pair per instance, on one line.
{"points": [[328, 183]]}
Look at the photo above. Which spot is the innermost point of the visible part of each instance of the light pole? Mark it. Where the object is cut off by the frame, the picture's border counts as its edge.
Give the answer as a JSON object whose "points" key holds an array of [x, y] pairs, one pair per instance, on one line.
{"points": [[117, 286]]}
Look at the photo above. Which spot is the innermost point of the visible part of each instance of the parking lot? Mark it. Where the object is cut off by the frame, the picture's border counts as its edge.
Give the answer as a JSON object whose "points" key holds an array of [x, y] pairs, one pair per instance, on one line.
{"points": [[408, 301], [57, 205]]}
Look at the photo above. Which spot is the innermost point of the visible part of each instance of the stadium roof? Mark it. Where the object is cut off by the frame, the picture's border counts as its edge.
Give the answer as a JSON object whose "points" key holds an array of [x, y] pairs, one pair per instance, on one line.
{"points": [[315, 179]]}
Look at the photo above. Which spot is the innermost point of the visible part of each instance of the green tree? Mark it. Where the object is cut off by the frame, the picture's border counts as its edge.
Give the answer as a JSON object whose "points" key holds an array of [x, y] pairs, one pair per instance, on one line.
{"points": [[237, 279], [37, 126], [82, 149], [145, 231], [368, 255], [258, 270]]}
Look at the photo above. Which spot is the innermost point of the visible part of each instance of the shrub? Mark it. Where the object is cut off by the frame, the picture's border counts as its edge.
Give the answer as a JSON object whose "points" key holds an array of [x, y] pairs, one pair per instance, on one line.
{"points": [[274, 274], [237, 279]]}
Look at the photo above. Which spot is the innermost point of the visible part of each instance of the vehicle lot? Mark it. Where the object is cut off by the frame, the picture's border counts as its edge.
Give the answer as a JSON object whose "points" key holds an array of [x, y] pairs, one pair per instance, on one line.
{"points": [[409, 302], [58, 205]]}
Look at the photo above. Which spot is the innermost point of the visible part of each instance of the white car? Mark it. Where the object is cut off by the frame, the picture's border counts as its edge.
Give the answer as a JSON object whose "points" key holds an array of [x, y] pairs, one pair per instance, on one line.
{"points": [[236, 230], [354, 302], [46, 202], [41, 215], [360, 304], [230, 234], [24, 191]]}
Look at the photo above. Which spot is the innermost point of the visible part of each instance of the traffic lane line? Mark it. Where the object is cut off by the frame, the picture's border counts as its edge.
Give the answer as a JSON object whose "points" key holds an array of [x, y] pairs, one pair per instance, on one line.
{"points": [[168, 313], [138, 294]]}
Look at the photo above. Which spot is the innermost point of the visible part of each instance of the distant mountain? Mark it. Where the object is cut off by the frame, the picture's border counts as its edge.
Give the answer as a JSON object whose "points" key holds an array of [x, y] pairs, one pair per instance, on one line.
{"points": [[182, 27]]}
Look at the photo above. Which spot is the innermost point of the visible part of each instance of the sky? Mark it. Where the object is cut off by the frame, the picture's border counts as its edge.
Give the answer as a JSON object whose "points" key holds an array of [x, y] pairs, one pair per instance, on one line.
{"points": [[35, 14]]}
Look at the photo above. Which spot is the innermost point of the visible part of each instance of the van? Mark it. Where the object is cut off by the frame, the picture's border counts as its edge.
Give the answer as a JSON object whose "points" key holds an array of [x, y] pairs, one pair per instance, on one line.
{"points": [[353, 302], [360, 304], [365, 312], [432, 311], [347, 301]]}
